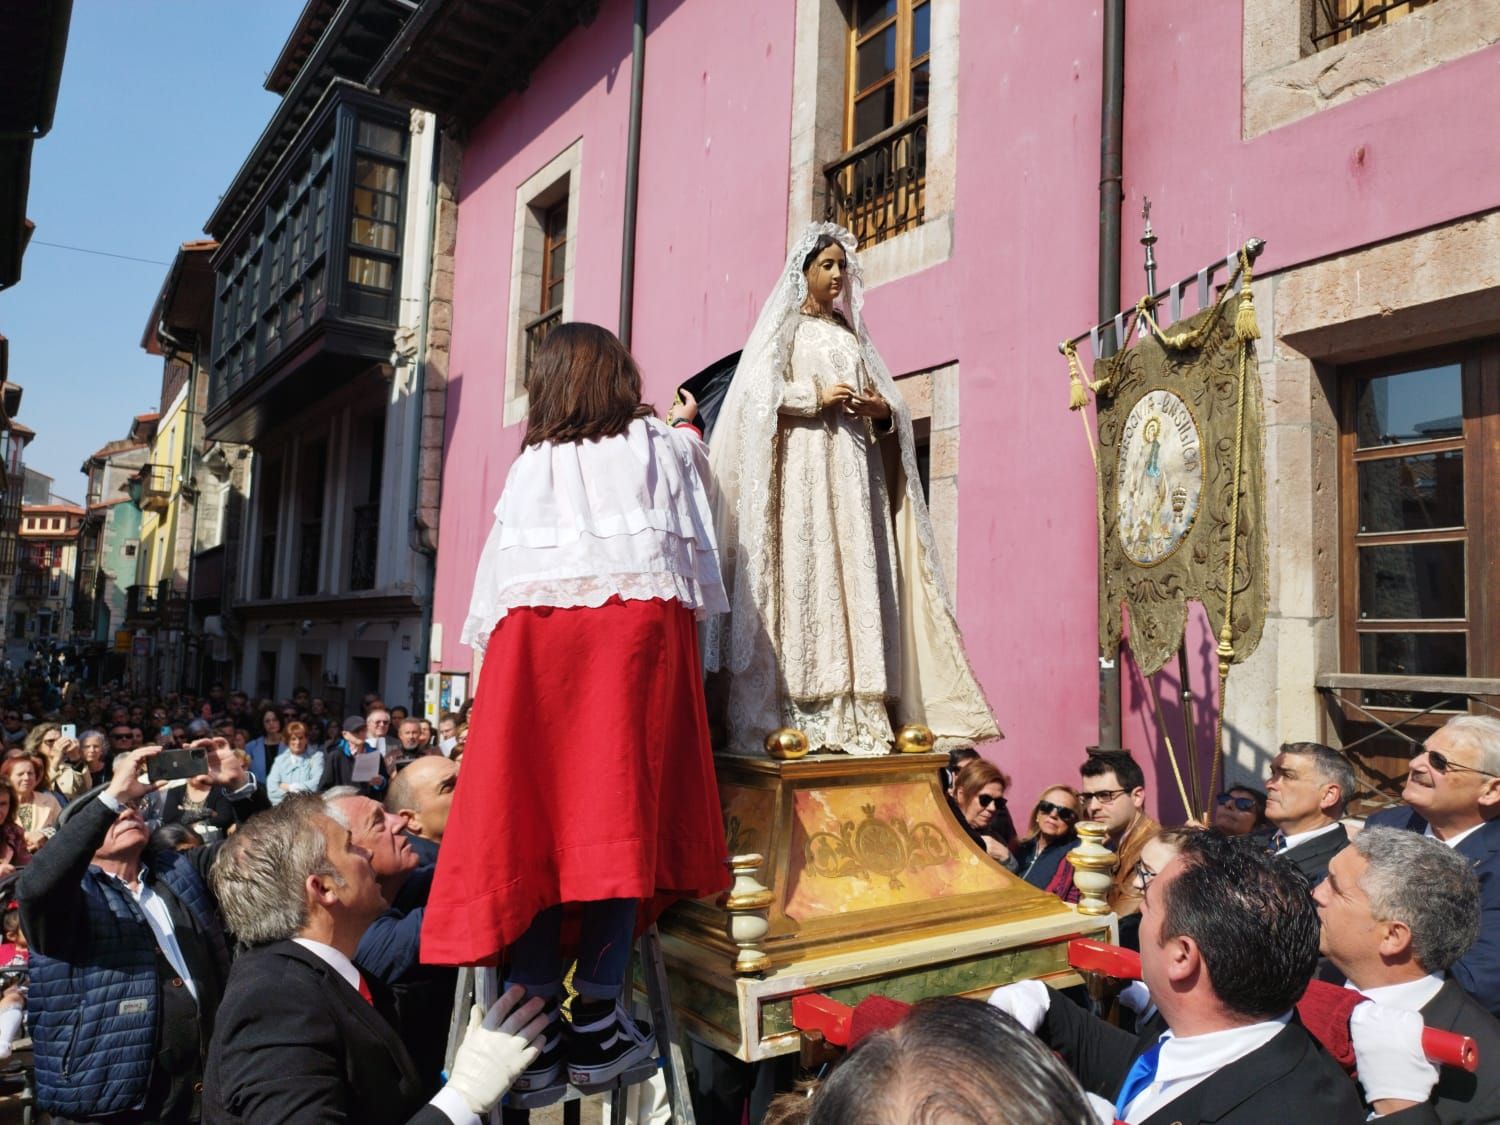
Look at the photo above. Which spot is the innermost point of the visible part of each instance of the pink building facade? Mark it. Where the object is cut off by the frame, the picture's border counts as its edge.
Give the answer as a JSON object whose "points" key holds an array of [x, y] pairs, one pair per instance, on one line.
{"points": [[1368, 185]]}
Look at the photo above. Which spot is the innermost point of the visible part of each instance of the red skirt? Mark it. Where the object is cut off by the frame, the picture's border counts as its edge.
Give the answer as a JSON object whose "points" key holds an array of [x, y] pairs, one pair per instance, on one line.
{"points": [[587, 775]]}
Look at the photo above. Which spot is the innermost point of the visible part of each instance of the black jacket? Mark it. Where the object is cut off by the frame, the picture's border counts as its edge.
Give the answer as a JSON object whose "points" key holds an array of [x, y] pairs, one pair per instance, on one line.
{"points": [[1290, 1078], [295, 1045], [1465, 1097], [1312, 857]]}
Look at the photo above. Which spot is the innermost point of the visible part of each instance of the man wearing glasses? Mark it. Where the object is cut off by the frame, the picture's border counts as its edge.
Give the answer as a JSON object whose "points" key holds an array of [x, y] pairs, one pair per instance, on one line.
{"points": [[1305, 796], [1113, 793], [1452, 794]]}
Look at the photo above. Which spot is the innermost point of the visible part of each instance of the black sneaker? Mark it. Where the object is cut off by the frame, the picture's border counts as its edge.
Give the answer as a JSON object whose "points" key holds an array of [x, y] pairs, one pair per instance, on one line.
{"points": [[603, 1046], [547, 1070]]}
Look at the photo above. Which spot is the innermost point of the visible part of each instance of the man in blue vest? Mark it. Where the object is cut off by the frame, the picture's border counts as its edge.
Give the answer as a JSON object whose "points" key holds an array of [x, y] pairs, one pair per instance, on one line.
{"points": [[128, 956]]}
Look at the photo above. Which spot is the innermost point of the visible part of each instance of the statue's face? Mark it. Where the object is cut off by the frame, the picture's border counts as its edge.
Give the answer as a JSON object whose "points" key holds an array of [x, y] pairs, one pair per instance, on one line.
{"points": [[825, 277]]}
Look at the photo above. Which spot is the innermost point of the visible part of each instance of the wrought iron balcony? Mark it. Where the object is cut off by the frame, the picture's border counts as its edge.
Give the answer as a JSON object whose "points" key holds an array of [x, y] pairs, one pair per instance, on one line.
{"points": [[140, 603], [308, 279], [366, 544], [878, 189], [309, 554], [156, 488], [537, 331]]}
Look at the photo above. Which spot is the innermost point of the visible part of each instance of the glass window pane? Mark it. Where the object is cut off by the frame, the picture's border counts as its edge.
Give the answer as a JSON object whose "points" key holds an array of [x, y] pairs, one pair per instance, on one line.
{"points": [[1420, 405], [1412, 654], [377, 174], [1412, 493], [868, 13], [370, 273], [919, 81], [875, 58], [874, 113], [380, 236], [921, 30], [381, 137], [1413, 581]]}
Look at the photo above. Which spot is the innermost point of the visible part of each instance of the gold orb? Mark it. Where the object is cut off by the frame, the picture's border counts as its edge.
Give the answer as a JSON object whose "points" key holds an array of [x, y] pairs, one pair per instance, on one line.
{"points": [[786, 743], [914, 739]]}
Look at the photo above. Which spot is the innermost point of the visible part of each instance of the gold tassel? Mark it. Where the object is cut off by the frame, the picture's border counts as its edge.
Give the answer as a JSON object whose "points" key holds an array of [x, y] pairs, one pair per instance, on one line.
{"points": [[1078, 395], [1246, 327]]}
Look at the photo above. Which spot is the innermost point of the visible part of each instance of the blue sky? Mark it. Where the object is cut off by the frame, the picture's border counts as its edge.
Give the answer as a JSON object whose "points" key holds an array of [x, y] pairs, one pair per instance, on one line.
{"points": [[159, 105]]}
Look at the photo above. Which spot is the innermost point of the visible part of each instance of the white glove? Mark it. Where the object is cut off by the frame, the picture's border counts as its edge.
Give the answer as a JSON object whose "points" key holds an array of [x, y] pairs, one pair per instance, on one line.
{"points": [[496, 1049], [1388, 1052], [1137, 997], [1026, 1002]]}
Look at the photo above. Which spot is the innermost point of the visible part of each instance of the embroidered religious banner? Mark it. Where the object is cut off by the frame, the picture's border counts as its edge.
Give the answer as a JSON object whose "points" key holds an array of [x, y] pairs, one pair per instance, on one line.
{"points": [[1180, 464]]}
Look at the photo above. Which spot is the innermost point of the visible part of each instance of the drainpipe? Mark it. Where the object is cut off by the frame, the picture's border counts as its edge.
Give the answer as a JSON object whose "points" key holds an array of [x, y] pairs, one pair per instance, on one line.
{"points": [[1111, 195], [419, 535], [632, 172]]}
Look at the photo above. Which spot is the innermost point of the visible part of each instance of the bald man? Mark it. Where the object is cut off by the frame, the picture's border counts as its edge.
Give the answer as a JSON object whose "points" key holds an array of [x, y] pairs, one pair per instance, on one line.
{"points": [[422, 794]]}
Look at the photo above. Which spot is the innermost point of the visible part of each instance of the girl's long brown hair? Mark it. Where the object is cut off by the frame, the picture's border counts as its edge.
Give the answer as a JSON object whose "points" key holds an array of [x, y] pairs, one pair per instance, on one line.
{"points": [[583, 385]]}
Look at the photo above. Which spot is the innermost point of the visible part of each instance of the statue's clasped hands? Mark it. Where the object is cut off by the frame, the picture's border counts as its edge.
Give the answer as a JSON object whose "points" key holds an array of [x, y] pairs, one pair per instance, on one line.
{"points": [[843, 396]]}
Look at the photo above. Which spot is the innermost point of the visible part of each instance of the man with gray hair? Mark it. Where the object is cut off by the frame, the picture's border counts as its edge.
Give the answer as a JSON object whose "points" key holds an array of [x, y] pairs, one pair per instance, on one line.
{"points": [[1306, 792], [1452, 794], [302, 1034], [1397, 911]]}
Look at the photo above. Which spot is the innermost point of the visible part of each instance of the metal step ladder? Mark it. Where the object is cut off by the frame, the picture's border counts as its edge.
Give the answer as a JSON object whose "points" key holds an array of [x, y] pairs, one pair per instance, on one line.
{"points": [[482, 986]]}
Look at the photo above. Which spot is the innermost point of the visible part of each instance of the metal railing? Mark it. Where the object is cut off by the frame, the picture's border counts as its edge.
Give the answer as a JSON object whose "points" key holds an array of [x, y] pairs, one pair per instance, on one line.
{"points": [[878, 189], [156, 486], [1335, 21], [365, 547], [309, 554], [537, 331], [140, 601]]}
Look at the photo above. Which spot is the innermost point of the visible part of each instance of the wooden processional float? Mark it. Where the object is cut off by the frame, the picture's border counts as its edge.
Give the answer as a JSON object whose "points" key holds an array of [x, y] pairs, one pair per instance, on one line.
{"points": [[852, 878]]}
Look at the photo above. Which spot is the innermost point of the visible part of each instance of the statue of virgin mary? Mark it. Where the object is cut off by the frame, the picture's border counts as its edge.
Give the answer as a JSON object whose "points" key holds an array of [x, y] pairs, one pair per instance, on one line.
{"points": [[840, 624]]}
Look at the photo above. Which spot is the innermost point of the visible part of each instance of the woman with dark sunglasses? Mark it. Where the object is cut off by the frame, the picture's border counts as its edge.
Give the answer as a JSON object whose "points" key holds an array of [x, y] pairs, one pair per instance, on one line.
{"points": [[1042, 855], [979, 802], [1241, 811]]}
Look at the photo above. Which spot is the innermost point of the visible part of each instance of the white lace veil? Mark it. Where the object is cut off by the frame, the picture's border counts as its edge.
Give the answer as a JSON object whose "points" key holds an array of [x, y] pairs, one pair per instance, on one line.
{"points": [[743, 453]]}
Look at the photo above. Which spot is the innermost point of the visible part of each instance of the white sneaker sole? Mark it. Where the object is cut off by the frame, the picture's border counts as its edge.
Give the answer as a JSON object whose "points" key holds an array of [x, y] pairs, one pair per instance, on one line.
{"points": [[587, 1076], [534, 1080]]}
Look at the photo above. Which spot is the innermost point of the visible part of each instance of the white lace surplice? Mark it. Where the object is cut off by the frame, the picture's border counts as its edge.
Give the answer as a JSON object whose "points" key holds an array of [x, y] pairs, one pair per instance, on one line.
{"points": [[579, 523], [837, 625]]}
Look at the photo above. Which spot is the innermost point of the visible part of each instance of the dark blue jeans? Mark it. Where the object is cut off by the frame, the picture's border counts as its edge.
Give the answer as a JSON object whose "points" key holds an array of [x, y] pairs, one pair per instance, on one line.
{"points": [[604, 946]]}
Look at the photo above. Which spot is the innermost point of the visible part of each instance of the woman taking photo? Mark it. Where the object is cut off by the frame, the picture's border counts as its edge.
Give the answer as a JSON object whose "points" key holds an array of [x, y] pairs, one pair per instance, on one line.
{"points": [[1041, 858], [601, 559], [979, 801]]}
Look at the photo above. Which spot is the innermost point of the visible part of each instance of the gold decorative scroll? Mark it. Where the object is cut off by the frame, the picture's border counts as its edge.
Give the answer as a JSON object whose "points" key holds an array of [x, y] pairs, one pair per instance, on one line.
{"points": [[1169, 417]]}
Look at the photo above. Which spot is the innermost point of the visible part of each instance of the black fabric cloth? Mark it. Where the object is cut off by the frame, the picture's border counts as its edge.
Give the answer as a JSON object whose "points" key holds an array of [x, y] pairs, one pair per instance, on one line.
{"points": [[1289, 1075], [212, 821], [423, 994], [426, 850], [1038, 867], [295, 1045], [1312, 857], [1462, 1097], [338, 769]]}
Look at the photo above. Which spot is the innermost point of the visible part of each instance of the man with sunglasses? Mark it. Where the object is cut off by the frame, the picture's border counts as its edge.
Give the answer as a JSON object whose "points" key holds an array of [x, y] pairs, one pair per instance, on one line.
{"points": [[1113, 792], [1452, 794]]}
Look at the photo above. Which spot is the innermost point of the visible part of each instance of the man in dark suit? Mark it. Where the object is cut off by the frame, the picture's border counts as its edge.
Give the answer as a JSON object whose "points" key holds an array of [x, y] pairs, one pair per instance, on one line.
{"points": [[1452, 794], [1229, 938], [1397, 911], [1305, 796], [302, 1035]]}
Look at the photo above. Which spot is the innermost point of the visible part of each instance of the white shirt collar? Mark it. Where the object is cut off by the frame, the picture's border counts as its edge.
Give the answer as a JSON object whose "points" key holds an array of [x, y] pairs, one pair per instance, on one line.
{"points": [[333, 958], [1302, 837], [1409, 995], [1452, 841], [1184, 1063]]}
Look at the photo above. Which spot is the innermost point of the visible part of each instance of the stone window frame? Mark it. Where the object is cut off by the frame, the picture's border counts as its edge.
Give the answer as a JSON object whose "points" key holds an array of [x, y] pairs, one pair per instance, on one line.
{"points": [[1284, 81], [558, 178], [932, 397], [817, 135]]}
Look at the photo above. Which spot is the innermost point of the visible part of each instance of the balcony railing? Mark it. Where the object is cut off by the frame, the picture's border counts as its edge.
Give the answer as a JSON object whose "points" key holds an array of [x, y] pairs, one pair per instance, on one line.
{"points": [[309, 554], [140, 603], [878, 189], [156, 487], [366, 543], [537, 331]]}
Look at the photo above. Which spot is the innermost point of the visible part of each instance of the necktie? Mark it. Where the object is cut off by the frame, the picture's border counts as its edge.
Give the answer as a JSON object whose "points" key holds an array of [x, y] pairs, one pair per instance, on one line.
{"points": [[1142, 1074], [1278, 841], [364, 990]]}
